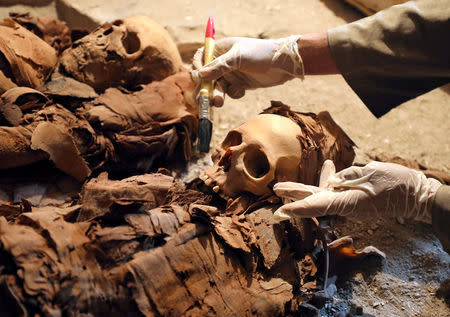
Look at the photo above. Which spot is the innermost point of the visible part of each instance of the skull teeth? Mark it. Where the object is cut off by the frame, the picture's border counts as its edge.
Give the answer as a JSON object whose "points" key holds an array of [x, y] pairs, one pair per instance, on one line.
{"points": [[211, 183], [208, 182]]}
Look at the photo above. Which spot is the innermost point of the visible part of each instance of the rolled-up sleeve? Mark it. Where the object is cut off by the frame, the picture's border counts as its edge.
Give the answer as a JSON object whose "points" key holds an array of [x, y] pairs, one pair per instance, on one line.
{"points": [[396, 54]]}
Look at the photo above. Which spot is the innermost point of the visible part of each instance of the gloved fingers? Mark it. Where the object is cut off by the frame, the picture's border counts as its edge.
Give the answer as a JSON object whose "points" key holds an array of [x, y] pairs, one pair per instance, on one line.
{"points": [[218, 96], [353, 178], [225, 44], [279, 215], [375, 190], [236, 91], [294, 191], [220, 86], [327, 202], [216, 69], [221, 47], [197, 60], [221, 65], [238, 84], [311, 206], [350, 173], [196, 94], [219, 92], [328, 169], [218, 100]]}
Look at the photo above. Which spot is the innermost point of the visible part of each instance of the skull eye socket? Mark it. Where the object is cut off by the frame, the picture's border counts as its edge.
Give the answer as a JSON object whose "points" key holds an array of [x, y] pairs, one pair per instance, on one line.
{"points": [[131, 42], [233, 138], [256, 163]]}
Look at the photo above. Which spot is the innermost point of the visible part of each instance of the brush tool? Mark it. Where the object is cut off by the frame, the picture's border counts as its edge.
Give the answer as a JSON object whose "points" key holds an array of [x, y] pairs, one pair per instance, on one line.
{"points": [[206, 91]]}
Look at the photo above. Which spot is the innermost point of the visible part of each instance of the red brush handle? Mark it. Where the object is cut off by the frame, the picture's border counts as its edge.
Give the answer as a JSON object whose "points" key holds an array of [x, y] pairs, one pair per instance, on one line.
{"points": [[210, 28]]}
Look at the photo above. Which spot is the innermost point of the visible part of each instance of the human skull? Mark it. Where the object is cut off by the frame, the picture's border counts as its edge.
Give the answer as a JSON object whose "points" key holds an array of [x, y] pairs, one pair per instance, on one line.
{"points": [[254, 155], [126, 52], [276, 146]]}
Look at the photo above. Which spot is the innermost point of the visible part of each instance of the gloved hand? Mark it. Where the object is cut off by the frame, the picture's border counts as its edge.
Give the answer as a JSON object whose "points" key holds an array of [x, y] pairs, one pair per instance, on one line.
{"points": [[245, 63], [361, 193]]}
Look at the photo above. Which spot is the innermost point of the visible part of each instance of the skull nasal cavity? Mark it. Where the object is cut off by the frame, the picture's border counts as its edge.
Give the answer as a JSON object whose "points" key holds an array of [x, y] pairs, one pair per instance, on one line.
{"points": [[256, 163], [225, 160], [131, 43]]}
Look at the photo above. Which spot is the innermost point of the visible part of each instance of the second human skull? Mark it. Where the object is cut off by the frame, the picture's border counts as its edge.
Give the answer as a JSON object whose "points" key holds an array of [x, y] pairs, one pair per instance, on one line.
{"points": [[126, 52], [254, 154], [273, 148]]}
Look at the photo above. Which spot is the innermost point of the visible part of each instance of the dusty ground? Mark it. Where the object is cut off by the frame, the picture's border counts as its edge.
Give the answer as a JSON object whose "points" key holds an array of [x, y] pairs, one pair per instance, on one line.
{"points": [[416, 264]]}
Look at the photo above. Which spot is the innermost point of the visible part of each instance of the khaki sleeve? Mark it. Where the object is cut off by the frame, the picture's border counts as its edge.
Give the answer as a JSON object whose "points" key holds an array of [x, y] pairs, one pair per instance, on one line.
{"points": [[440, 214], [396, 54]]}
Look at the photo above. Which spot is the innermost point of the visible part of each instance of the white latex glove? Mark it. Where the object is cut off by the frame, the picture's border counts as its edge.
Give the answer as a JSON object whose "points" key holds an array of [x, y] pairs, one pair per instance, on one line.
{"points": [[245, 63], [374, 191]]}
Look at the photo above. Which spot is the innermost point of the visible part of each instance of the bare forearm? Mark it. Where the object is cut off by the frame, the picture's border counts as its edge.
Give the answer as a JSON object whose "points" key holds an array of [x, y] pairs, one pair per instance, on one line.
{"points": [[316, 54]]}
